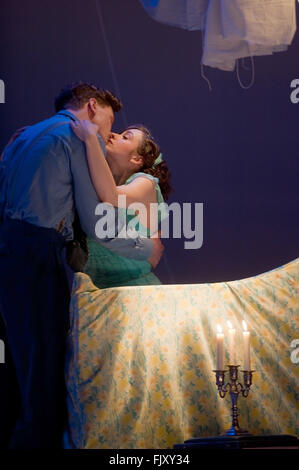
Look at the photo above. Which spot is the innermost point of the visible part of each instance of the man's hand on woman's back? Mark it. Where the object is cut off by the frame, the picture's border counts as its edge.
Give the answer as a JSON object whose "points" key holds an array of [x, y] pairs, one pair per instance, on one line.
{"points": [[157, 253]]}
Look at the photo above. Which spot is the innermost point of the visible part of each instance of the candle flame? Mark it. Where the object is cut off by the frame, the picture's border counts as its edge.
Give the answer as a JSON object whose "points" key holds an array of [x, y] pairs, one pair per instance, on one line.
{"points": [[229, 324], [244, 325], [219, 328]]}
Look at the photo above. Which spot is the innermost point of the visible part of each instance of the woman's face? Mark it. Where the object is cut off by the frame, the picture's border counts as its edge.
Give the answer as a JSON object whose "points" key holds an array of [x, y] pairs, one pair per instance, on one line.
{"points": [[122, 150]]}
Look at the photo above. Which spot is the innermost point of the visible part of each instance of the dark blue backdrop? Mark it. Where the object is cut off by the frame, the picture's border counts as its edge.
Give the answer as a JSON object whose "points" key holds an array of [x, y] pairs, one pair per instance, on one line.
{"points": [[234, 150]]}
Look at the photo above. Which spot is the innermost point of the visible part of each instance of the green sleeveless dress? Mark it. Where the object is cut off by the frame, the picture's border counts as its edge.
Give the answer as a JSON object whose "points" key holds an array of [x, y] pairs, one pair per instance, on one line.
{"points": [[108, 269]]}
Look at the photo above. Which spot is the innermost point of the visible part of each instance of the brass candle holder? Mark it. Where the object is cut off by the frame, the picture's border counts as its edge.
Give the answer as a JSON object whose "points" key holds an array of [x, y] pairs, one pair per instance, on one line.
{"points": [[234, 388], [235, 437]]}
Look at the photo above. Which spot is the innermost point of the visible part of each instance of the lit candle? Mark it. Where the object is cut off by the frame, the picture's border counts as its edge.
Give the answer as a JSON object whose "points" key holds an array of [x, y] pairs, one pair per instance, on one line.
{"points": [[220, 349], [232, 348], [246, 339]]}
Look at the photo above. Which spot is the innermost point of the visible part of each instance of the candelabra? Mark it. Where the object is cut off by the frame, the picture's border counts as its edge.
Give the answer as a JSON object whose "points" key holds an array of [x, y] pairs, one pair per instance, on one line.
{"points": [[235, 437], [234, 388]]}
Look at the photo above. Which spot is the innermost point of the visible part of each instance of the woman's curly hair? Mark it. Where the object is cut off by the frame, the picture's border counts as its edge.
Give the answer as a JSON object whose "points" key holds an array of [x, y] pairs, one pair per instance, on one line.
{"points": [[150, 151]]}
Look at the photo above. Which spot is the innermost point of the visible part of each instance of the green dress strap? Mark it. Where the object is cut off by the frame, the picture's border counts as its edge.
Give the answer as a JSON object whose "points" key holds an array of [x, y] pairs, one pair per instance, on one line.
{"points": [[163, 211]]}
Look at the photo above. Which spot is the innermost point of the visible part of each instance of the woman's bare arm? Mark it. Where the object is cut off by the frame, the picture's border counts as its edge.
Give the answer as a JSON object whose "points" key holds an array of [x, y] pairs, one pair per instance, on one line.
{"points": [[140, 190]]}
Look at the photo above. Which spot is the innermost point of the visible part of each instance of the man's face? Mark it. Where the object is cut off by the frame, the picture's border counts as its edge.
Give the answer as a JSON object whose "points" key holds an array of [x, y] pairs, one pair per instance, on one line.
{"points": [[103, 116]]}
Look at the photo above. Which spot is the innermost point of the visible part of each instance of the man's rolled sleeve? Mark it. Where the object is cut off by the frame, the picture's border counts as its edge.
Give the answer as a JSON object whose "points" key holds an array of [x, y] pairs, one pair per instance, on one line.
{"points": [[140, 248]]}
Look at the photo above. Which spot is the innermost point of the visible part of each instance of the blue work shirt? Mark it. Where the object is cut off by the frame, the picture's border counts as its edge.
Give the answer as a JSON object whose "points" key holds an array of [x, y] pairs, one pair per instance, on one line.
{"points": [[45, 176]]}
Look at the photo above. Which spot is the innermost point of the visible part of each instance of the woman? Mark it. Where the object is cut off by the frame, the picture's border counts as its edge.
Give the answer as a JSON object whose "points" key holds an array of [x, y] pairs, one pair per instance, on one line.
{"points": [[133, 168]]}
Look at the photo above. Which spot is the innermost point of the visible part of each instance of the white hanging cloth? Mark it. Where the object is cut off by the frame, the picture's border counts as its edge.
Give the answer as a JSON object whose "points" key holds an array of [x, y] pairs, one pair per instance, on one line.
{"points": [[232, 28], [242, 28]]}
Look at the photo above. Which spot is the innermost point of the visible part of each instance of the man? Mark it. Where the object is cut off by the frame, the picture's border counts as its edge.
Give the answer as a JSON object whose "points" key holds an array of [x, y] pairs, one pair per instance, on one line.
{"points": [[44, 177]]}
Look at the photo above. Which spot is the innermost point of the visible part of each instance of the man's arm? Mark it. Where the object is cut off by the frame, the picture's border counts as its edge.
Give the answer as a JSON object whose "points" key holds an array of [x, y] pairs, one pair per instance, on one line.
{"points": [[12, 139], [86, 201]]}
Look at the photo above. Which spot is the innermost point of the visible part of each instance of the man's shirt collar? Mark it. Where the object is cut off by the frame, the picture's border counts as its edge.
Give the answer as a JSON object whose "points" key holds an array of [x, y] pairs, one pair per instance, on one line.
{"points": [[65, 112]]}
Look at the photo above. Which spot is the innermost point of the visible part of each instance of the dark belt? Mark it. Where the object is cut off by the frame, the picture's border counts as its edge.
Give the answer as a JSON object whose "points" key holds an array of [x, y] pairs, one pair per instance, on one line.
{"points": [[27, 229]]}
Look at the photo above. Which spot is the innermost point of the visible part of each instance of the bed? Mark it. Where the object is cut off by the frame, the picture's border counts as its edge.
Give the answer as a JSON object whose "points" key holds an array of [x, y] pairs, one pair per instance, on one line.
{"points": [[140, 360]]}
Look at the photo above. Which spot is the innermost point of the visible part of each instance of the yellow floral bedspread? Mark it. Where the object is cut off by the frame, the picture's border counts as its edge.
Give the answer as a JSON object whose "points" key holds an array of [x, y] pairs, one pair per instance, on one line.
{"points": [[140, 360]]}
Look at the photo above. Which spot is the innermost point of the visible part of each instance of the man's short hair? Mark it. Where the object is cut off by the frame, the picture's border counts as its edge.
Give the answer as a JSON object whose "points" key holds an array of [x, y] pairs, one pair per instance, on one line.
{"points": [[75, 96]]}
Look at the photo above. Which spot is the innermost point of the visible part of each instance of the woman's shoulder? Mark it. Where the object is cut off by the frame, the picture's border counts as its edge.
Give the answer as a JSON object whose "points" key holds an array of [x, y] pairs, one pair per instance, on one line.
{"points": [[163, 207], [141, 173]]}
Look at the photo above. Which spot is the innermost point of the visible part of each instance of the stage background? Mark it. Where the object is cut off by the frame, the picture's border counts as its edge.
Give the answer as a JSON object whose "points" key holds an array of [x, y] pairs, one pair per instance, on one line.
{"points": [[234, 150]]}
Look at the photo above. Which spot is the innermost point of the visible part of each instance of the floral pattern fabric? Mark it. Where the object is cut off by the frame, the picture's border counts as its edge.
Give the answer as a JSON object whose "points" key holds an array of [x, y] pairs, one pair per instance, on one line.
{"points": [[140, 360]]}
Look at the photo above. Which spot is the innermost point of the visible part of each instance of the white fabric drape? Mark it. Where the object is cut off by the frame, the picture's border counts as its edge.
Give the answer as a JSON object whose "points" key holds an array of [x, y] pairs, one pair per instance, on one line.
{"points": [[232, 28]]}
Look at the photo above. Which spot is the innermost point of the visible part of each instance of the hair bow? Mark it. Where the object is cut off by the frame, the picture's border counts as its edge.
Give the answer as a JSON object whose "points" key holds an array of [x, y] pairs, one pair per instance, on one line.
{"points": [[157, 161]]}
